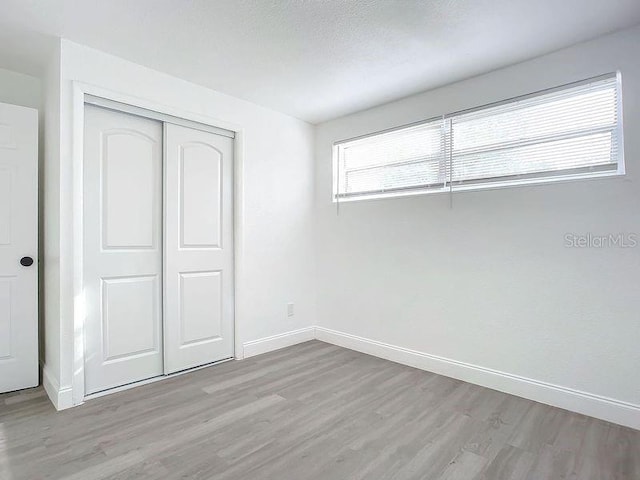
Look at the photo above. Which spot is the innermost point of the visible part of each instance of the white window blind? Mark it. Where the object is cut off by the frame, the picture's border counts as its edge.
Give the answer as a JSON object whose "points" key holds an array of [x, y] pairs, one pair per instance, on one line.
{"points": [[569, 132], [402, 159]]}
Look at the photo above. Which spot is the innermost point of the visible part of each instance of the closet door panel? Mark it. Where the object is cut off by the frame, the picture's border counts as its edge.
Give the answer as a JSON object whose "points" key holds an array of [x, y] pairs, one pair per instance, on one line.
{"points": [[200, 307], [200, 191], [129, 176], [129, 316], [198, 248], [122, 248]]}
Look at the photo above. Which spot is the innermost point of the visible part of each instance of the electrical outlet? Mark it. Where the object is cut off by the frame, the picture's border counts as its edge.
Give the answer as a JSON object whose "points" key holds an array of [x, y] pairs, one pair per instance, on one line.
{"points": [[290, 309]]}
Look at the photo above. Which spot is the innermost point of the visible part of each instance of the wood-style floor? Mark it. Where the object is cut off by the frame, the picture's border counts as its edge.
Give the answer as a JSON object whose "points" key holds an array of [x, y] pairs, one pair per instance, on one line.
{"points": [[312, 411]]}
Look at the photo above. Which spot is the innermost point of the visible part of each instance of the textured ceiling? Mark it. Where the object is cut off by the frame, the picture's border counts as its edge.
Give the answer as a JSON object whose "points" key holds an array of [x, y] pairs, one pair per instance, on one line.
{"points": [[314, 59]]}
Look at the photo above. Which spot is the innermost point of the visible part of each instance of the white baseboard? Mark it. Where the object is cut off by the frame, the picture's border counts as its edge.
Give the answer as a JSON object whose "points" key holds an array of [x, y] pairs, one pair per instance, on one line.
{"points": [[275, 342], [609, 409], [62, 398], [597, 406]]}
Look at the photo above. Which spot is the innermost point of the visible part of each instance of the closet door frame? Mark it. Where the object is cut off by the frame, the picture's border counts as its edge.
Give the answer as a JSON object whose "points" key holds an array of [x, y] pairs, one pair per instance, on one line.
{"points": [[84, 93]]}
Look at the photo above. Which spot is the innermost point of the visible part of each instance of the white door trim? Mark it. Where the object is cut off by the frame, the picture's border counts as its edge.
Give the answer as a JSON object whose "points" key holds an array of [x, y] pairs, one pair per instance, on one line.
{"points": [[80, 89]]}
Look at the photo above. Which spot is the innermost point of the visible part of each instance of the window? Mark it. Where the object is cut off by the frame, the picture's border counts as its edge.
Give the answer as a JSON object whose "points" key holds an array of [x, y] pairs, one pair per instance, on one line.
{"points": [[569, 132]]}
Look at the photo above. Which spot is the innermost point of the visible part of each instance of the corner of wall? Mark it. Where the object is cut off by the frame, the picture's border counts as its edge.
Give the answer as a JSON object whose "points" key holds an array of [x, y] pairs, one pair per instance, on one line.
{"points": [[62, 398], [49, 230]]}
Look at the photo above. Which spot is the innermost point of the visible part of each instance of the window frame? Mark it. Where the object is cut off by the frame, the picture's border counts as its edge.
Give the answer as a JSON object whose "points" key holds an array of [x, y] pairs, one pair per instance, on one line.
{"points": [[541, 178]]}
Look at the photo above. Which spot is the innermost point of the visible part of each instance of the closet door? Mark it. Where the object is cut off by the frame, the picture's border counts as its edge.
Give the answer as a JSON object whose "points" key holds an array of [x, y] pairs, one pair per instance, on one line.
{"points": [[122, 248], [198, 248]]}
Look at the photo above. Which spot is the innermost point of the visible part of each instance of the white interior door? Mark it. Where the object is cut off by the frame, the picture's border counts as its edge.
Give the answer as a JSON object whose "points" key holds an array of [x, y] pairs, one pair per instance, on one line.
{"points": [[18, 247], [198, 248], [122, 248]]}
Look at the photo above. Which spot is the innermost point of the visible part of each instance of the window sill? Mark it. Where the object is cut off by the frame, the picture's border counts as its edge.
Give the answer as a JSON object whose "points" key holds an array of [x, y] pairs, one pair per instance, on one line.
{"points": [[483, 186]]}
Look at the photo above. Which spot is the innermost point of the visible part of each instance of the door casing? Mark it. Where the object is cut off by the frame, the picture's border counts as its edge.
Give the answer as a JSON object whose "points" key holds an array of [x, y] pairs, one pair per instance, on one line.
{"points": [[80, 92]]}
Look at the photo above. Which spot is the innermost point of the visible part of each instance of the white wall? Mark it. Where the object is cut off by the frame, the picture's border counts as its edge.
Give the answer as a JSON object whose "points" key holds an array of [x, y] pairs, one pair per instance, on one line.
{"points": [[489, 283], [19, 89], [277, 240]]}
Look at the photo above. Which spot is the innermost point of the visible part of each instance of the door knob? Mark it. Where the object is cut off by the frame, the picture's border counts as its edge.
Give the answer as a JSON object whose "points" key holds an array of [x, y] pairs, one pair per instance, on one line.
{"points": [[26, 261]]}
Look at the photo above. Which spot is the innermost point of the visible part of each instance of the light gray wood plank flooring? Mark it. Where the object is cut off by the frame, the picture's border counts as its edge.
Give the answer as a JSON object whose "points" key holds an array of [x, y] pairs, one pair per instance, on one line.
{"points": [[312, 411]]}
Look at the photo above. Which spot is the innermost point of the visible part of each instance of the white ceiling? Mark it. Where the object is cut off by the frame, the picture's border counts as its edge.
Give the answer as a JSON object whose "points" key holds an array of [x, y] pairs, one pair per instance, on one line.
{"points": [[313, 59]]}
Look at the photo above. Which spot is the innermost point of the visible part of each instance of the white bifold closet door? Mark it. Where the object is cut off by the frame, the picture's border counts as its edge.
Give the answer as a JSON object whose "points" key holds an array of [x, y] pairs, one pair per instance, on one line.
{"points": [[198, 247], [122, 248], [158, 248]]}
